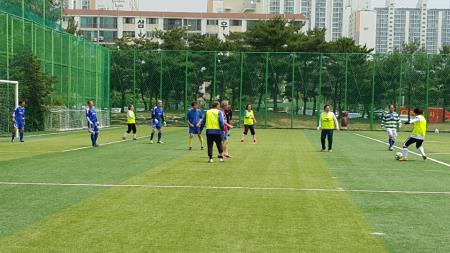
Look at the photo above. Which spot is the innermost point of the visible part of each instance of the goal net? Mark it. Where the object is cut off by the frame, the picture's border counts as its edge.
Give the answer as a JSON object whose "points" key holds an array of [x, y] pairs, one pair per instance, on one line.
{"points": [[9, 100], [63, 119]]}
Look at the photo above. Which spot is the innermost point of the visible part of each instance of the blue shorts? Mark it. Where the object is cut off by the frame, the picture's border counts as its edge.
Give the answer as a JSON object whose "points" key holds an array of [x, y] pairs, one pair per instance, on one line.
{"points": [[157, 126], [224, 136], [93, 128], [194, 130], [19, 125]]}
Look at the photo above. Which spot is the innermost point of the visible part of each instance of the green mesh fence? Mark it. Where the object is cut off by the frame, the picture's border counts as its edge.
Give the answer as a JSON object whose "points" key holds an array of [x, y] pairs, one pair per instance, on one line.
{"points": [[81, 68], [287, 90]]}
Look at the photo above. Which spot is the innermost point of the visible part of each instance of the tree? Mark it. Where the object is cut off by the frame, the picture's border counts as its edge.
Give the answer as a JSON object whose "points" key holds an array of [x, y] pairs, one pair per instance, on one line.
{"points": [[72, 27], [35, 88]]}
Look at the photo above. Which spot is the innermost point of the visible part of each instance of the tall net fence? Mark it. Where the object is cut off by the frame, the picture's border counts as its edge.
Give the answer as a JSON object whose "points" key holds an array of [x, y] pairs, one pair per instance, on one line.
{"points": [[81, 69], [287, 90]]}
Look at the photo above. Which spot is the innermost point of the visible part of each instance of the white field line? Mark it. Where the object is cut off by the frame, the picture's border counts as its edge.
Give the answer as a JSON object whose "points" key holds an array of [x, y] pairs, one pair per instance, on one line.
{"points": [[199, 187], [414, 153], [104, 144], [68, 132]]}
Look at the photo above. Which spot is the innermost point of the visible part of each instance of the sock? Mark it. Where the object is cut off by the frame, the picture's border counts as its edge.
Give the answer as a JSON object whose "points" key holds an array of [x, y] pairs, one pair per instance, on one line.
{"points": [[393, 143], [13, 136], [190, 141], [254, 137], [134, 136], [21, 136], [159, 137], [151, 136], [93, 139], [390, 143], [200, 138], [243, 136], [405, 152], [422, 150], [125, 135]]}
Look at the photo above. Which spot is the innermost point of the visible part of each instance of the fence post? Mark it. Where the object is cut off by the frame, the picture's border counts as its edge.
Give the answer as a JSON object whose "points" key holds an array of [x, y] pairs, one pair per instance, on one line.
{"points": [[346, 83], [186, 72], [134, 78], [427, 89], [70, 70], [319, 93], [23, 23], [292, 90], [7, 46], [400, 89], [240, 88], [372, 104], [266, 90], [215, 76], [160, 74]]}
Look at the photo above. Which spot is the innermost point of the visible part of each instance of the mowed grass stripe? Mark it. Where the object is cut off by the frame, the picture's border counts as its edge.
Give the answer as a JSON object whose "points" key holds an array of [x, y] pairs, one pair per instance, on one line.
{"points": [[22, 206], [411, 223], [199, 220]]}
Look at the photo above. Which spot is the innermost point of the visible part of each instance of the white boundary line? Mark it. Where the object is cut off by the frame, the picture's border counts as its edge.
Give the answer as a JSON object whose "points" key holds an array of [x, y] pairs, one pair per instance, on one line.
{"points": [[69, 132], [199, 187], [414, 153], [101, 145]]}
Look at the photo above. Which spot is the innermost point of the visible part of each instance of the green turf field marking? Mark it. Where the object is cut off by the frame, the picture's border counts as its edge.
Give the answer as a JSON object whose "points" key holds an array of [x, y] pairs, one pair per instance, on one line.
{"points": [[399, 148]]}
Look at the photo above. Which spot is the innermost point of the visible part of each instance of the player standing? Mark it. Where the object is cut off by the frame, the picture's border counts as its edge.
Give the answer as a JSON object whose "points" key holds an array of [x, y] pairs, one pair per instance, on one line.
{"points": [[417, 136], [194, 117], [227, 127], [390, 122], [131, 122], [214, 130], [91, 117], [158, 121], [249, 123], [18, 118], [328, 123]]}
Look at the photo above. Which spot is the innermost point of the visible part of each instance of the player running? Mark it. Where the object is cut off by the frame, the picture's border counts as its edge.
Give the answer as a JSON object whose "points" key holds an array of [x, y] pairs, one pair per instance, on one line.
{"points": [[249, 123], [390, 122], [131, 122], [195, 118], [418, 135], [18, 118], [227, 127], [214, 130], [158, 121], [328, 123], [91, 117]]}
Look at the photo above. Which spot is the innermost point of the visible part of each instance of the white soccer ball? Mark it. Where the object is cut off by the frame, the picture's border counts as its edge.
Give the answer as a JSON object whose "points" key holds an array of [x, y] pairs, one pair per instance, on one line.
{"points": [[398, 156]]}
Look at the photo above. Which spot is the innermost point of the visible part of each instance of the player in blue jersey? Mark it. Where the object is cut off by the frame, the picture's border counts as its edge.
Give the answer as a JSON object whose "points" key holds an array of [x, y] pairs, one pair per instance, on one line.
{"points": [[158, 121], [18, 118], [194, 117], [91, 117]]}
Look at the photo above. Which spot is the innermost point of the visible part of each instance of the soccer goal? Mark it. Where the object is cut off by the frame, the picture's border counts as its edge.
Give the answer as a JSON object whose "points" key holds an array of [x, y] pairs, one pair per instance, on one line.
{"points": [[9, 100], [63, 119]]}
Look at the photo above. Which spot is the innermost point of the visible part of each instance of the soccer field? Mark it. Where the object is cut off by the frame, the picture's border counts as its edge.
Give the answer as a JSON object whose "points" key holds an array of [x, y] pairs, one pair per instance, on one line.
{"points": [[59, 195]]}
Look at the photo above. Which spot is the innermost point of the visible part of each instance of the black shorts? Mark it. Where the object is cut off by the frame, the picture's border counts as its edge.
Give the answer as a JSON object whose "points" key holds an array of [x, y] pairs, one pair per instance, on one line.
{"points": [[251, 127], [412, 140], [131, 127]]}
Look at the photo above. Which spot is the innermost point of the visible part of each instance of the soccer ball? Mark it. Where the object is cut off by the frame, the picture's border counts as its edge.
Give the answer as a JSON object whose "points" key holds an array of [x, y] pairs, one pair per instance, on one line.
{"points": [[398, 156]]}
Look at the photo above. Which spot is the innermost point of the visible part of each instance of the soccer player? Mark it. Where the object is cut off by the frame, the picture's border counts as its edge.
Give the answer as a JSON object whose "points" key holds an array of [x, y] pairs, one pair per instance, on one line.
{"points": [[158, 121], [227, 127], [328, 123], [91, 117], [131, 122], [195, 118], [249, 123], [18, 118], [418, 135], [214, 130], [390, 122]]}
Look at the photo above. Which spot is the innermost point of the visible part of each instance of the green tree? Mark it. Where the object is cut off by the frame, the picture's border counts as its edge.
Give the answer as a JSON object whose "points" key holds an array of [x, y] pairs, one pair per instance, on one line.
{"points": [[72, 27]]}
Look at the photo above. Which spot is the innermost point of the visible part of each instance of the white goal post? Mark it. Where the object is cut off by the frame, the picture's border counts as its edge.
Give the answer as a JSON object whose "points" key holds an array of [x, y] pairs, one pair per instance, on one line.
{"points": [[9, 100]]}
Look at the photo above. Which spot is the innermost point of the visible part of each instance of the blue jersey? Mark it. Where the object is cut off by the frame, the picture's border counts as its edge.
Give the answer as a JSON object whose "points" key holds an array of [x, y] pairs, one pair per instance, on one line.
{"points": [[19, 114], [91, 116], [157, 115], [194, 116]]}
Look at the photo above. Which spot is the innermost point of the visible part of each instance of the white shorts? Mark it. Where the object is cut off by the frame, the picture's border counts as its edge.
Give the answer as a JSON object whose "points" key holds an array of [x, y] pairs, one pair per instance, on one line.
{"points": [[392, 132]]}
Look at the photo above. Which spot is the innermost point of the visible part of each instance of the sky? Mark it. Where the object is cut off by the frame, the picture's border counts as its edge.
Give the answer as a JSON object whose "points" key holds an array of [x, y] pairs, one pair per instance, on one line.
{"points": [[200, 5]]}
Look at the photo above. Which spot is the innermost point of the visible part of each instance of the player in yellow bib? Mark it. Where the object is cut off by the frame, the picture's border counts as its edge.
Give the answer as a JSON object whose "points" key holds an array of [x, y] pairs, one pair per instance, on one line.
{"points": [[328, 123], [417, 136], [131, 122], [249, 123]]}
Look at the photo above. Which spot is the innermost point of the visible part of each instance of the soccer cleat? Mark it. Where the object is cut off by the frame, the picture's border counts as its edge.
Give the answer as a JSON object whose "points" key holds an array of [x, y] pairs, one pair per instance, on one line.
{"points": [[242, 141], [95, 146], [134, 139], [403, 159], [202, 148], [228, 156], [190, 148], [424, 157], [221, 160], [254, 142], [22, 141], [391, 149], [331, 151], [160, 142], [210, 161], [151, 142]]}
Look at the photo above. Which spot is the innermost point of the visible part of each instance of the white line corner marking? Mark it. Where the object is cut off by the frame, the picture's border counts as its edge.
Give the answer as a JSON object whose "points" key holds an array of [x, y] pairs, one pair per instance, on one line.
{"points": [[414, 153]]}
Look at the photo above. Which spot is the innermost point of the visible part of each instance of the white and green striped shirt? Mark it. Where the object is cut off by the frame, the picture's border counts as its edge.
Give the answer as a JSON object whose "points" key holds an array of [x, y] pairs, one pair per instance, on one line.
{"points": [[391, 120]]}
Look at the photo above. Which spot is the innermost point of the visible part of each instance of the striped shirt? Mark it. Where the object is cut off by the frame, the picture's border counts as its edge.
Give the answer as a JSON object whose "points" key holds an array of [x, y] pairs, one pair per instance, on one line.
{"points": [[390, 120]]}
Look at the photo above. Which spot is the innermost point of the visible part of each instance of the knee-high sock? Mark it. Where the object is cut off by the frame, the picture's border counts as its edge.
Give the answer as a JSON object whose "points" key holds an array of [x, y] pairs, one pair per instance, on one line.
{"points": [[190, 140], [422, 150], [159, 136], [21, 136], [405, 152], [13, 135], [93, 139], [200, 138], [125, 135], [152, 135]]}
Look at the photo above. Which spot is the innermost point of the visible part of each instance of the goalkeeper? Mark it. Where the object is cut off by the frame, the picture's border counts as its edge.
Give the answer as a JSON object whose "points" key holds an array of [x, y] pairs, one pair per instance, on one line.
{"points": [[18, 118], [91, 117], [158, 121]]}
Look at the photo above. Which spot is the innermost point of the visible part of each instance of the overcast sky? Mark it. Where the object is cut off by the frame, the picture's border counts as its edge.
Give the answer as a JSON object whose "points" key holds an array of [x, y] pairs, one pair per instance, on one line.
{"points": [[200, 5]]}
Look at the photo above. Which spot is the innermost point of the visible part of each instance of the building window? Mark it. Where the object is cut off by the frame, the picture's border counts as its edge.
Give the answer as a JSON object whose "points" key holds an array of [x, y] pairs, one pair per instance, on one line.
{"points": [[108, 23], [235, 22], [107, 36], [152, 21], [129, 34], [193, 24], [128, 20], [212, 22], [150, 34], [88, 22], [89, 35], [171, 24]]}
